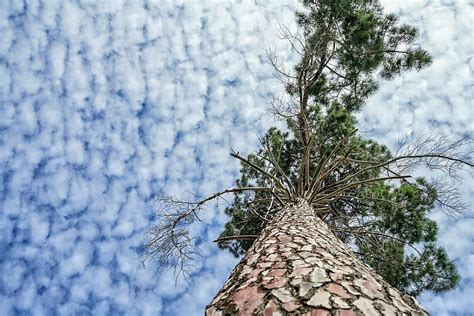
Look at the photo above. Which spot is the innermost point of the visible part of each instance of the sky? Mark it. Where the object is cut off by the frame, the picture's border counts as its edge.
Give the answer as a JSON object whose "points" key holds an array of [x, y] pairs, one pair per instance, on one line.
{"points": [[107, 105]]}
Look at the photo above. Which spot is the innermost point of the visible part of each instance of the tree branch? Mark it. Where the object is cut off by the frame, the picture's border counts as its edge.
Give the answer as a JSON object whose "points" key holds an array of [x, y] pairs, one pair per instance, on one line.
{"points": [[237, 237]]}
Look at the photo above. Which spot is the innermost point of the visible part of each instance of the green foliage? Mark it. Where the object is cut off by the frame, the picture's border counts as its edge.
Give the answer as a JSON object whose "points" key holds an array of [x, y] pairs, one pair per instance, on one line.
{"points": [[357, 44], [402, 212], [429, 270]]}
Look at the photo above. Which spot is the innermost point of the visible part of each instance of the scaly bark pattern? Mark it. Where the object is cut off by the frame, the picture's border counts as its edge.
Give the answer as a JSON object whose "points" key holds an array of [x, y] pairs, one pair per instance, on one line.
{"points": [[298, 267]]}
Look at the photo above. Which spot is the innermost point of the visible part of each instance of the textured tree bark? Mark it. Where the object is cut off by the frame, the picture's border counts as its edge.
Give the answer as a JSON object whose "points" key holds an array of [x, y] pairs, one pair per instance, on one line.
{"points": [[298, 267]]}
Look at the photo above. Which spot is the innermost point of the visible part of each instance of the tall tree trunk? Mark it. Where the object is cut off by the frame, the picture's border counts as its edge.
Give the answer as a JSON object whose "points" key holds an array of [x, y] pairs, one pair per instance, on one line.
{"points": [[298, 266]]}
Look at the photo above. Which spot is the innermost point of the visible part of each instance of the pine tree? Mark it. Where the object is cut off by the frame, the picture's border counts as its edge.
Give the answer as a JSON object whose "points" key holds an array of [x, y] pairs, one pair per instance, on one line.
{"points": [[381, 220], [327, 220]]}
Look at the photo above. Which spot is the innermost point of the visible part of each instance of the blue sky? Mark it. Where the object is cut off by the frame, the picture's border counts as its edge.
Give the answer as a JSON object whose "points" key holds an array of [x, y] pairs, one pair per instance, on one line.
{"points": [[106, 104]]}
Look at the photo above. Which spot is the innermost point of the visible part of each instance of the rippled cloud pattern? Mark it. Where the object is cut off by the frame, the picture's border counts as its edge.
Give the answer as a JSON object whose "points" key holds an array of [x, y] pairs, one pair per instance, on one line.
{"points": [[105, 105]]}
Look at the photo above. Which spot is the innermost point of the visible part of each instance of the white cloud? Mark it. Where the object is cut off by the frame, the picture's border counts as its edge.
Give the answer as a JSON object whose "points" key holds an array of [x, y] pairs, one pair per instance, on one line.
{"points": [[12, 276], [39, 228]]}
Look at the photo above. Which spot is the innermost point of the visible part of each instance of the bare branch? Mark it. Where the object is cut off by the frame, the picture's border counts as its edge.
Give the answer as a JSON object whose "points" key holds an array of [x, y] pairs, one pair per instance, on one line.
{"points": [[271, 158], [376, 233], [343, 188], [281, 74], [169, 242], [282, 110], [316, 179], [238, 237], [293, 39], [263, 172]]}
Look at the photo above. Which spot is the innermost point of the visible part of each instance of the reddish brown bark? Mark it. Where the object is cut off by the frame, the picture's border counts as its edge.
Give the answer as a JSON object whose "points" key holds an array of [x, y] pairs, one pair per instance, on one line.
{"points": [[298, 267]]}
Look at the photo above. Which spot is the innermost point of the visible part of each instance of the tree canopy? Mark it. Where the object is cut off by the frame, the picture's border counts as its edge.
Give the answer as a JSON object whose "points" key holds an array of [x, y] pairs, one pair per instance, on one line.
{"points": [[386, 223], [357, 186]]}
